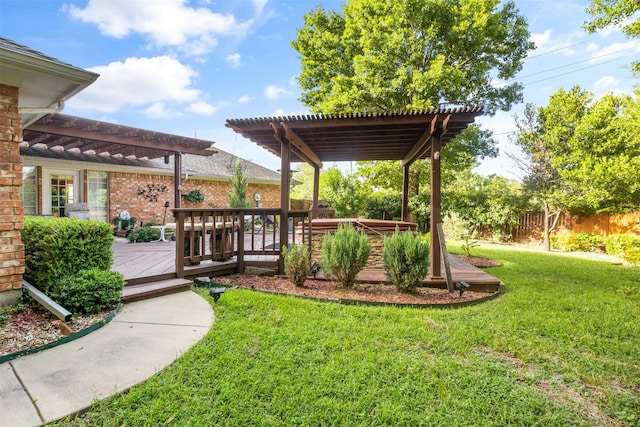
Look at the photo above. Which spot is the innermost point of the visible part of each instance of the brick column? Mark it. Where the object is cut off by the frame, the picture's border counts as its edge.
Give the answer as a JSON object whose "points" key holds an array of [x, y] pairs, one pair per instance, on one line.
{"points": [[11, 208]]}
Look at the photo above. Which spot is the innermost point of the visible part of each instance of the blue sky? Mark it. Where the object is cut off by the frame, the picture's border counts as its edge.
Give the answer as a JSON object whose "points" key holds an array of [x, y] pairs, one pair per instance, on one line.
{"points": [[184, 67]]}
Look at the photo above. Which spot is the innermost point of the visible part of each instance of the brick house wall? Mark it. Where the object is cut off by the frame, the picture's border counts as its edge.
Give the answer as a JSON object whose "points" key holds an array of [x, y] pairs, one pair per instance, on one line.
{"points": [[11, 208], [143, 195]]}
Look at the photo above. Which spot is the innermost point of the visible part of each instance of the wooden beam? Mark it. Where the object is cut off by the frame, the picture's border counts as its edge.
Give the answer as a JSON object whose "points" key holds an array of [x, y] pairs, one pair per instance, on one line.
{"points": [[418, 149], [111, 137], [435, 269], [300, 145], [445, 125]]}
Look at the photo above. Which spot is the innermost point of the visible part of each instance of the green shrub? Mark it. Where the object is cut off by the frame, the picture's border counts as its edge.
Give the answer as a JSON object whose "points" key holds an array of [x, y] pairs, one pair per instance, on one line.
{"points": [[344, 254], [144, 234], [632, 256], [297, 263], [406, 260], [57, 247], [90, 291], [579, 242], [619, 244]]}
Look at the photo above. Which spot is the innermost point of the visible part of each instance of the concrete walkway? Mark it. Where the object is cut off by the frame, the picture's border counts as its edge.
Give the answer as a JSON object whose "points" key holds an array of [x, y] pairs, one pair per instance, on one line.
{"points": [[143, 338]]}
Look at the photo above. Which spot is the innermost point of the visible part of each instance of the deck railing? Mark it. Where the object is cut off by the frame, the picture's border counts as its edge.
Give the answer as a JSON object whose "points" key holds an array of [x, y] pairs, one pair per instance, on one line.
{"points": [[216, 240]]}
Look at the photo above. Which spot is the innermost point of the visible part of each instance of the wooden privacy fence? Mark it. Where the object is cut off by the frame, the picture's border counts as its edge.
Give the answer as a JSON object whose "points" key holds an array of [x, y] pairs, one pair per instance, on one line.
{"points": [[531, 225]]}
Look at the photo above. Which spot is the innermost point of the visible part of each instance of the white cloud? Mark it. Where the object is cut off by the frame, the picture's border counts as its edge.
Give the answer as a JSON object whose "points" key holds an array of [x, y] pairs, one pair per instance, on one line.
{"points": [[165, 22], [605, 83], [157, 111], [137, 81], [629, 48], [274, 92], [281, 112], [541, 39], [202, 108], [233, 60], [568, 44], [245, 99], [259, 5]]}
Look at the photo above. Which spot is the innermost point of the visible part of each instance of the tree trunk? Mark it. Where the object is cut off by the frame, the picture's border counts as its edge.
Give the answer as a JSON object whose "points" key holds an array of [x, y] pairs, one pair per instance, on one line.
{"points": [[547, 227]]}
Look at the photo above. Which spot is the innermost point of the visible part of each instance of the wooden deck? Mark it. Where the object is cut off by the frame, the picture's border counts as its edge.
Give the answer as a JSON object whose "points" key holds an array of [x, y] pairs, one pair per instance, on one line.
{"points": [[141, 263]]}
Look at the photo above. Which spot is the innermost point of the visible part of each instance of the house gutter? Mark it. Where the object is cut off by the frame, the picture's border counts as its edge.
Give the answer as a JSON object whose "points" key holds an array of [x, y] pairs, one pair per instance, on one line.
{"points": [[59, 311]]}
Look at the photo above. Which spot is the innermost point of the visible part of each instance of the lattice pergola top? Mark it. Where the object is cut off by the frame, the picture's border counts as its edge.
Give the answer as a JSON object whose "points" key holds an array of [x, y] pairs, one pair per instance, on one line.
{"points": [[399, 135], [102, 138]]}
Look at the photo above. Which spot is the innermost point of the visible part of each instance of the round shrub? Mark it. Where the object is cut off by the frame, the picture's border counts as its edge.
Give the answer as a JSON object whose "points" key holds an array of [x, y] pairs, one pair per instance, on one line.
{"points": [[344, 254], [406, 260], [90, 291], [297, 263]]}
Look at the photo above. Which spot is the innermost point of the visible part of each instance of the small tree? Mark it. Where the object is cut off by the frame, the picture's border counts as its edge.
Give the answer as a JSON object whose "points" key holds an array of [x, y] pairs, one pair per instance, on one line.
{"points": [[297, 263], [238, 196], [406, 259], [344, 254]]}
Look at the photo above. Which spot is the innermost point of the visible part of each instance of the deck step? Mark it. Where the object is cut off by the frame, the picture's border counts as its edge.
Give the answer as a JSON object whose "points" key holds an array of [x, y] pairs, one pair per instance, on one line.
{"points": [[154, 289]]}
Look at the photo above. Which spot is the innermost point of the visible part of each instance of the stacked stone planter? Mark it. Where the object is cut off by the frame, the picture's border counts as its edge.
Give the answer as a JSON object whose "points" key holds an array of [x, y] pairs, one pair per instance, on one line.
{"points": [[376, 231]]}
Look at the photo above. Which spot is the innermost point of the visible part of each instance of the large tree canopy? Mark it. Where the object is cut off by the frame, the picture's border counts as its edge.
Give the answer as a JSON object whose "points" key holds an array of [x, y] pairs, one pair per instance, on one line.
{"points": [[412, 54], [615, 13], [583, 154]]}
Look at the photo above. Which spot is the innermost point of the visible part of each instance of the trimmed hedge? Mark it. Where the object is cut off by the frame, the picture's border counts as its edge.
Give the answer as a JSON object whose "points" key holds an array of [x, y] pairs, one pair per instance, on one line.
{"points": [[58, 247], [90, 291]]}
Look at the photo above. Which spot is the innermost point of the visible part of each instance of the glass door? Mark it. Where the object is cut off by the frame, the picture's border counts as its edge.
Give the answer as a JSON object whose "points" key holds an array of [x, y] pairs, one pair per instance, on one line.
{"points": [[61, 193], [59, 188]]}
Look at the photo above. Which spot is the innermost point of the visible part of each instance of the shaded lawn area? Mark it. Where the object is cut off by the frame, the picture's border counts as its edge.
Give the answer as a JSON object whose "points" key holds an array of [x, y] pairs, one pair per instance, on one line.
{"points": [[559, 348]]}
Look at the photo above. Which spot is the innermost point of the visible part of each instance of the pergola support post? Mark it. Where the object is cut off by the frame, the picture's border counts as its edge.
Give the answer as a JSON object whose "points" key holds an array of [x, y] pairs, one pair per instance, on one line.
{"points": [[316, 191], [436, 145], [285, 171], [405, 192], [177, 180]]}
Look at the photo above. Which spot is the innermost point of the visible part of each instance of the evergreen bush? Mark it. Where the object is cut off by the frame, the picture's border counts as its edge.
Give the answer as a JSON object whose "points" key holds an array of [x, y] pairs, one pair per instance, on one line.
{"points": [[57, 247], [297, 263], [344, 254], [90, 291], [406, 260], [144, 234]]}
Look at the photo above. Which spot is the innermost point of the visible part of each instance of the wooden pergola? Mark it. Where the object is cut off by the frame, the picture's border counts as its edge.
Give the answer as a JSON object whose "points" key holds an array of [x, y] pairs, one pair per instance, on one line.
{"points": [[66, 133], [404, 135]]}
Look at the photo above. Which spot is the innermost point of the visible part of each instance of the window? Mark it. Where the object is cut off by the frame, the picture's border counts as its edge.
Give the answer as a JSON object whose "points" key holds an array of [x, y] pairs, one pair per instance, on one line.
{"points": [[98, 195], [29, 190]]}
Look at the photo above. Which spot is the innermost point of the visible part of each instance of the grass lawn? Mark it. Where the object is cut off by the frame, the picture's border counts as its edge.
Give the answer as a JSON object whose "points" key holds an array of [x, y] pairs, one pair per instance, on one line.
{"points": [[561, 347]]}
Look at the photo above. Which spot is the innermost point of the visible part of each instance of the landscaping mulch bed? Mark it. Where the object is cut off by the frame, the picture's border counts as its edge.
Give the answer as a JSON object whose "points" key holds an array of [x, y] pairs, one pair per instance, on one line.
{"points": [[361, 292], [34, 327], [364, 292]]}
